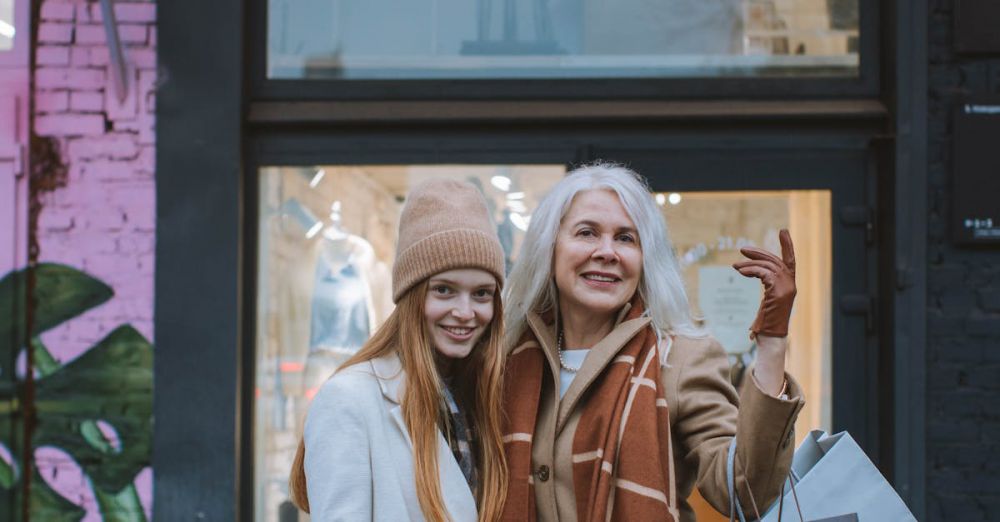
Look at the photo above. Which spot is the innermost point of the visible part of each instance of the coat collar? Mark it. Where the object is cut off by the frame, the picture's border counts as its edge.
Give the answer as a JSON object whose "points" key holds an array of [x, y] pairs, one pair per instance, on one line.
{"points": [[388, 370], [599, 357], [544, 327]]}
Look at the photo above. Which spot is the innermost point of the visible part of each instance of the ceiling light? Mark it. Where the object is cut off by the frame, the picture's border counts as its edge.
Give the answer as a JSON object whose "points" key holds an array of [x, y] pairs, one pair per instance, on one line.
{"points": [[314, 230], [517, 206], [317, 178], [520, 221], [501, 182]]}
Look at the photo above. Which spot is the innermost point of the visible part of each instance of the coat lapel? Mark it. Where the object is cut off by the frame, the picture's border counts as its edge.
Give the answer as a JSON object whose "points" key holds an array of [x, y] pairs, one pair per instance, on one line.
{"points": [[455, 489], [546, 336], [391, 379], [600, 355], [458, 497]]}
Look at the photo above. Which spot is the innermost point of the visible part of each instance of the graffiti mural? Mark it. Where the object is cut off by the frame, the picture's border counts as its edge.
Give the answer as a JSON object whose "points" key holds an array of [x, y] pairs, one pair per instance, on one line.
{"points": [[88, 421]]}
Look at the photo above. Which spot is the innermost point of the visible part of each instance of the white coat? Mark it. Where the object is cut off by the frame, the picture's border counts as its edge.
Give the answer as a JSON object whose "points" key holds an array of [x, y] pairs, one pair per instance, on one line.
{"points": [[359, 458]]}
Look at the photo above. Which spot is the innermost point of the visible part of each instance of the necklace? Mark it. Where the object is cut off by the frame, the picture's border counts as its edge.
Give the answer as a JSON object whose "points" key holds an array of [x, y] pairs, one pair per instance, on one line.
{"points": [[562, 362]]}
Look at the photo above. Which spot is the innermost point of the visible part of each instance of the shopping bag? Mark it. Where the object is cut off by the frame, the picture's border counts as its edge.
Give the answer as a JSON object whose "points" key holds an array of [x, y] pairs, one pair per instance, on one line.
{"points": [[831, 480]]}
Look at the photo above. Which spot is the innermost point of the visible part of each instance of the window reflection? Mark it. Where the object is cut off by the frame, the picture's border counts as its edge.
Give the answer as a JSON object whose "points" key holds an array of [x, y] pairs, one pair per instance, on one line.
{"points": [[560, 38]]}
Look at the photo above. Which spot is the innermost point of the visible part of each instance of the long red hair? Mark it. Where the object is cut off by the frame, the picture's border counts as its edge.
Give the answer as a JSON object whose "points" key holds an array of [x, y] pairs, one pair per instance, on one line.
{"points": [[478, 380]]}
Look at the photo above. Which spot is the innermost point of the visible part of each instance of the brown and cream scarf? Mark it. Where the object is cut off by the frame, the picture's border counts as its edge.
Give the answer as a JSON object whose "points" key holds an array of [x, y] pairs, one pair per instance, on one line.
{"points": [[621, 447]]}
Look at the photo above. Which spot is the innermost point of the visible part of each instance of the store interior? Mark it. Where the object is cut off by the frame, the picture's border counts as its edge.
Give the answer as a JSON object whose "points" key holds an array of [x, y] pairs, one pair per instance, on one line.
{"points": [[326, 243]]}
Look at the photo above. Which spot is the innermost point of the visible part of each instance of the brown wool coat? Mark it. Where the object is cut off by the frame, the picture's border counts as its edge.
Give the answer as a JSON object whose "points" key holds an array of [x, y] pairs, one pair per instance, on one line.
{"points": [[705, 413]]}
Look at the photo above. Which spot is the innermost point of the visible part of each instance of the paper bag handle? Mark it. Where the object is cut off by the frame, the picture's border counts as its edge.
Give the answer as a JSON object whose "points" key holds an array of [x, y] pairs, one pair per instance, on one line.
{"points": [[734, 507]]}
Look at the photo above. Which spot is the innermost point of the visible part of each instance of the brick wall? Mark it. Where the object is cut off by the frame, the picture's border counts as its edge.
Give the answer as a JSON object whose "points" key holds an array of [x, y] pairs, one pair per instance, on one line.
{"points": [[102, 220], [963, 316]]}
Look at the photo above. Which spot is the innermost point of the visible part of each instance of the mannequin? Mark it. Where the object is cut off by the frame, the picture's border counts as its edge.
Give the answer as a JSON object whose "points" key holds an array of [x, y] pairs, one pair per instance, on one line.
{"points": [[341, 310]]}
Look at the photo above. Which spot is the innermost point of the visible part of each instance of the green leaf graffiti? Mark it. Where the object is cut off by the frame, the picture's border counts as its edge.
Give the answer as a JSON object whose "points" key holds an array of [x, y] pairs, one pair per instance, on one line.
{"points": [[123, 506], [60, 294], [111, 382], [47, 505]]}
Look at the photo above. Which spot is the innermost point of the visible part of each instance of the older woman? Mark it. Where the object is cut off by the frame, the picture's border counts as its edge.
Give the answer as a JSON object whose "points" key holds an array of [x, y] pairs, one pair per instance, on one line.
{"points": [[617, 402]]}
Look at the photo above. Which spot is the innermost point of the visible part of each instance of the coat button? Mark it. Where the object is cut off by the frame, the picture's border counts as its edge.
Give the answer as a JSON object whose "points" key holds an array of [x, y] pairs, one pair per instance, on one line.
{"points": [[542, 473]]}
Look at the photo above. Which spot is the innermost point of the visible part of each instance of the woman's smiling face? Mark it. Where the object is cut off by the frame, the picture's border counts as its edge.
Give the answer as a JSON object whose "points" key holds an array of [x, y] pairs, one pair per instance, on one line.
{"points": [[598, 258], [458, 309]]}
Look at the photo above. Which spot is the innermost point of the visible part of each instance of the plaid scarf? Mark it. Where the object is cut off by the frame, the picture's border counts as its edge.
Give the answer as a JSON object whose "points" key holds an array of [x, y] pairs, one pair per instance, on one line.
{"points": [[622, 460], [461, 438]]}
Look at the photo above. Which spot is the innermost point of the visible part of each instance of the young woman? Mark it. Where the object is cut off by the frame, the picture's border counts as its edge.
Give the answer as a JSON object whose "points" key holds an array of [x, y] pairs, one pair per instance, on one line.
{"points": [[409, 428], [617, 402]]}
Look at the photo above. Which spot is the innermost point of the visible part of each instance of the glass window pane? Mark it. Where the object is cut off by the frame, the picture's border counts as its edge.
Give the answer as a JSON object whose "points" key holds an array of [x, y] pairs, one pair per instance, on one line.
{"points": [[709, 228], [7, 29], [420, 39], [326, 245]]}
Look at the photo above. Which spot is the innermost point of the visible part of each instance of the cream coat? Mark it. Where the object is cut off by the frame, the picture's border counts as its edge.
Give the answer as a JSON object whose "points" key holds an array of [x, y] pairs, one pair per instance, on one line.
{"points": [[705, 413], [359, 458]]}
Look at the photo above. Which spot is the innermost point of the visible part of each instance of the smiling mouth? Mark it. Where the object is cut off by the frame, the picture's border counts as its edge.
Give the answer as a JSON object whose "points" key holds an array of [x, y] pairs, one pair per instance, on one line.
{"points": [[601, 278], [458, 332]]}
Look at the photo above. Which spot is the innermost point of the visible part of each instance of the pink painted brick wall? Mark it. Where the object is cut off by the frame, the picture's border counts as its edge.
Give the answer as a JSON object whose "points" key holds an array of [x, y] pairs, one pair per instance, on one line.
{"points": [[75, 102], [53, 32], [103, 221], [58, 11], [52, 55]]}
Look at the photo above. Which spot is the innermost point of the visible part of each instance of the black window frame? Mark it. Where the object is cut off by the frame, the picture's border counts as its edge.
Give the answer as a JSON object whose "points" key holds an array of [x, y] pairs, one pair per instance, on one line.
{"points": [[865, 84]]}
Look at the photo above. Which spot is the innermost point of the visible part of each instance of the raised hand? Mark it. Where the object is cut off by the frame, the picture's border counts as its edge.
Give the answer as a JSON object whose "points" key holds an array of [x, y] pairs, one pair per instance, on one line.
{"points": [[778, 278]]}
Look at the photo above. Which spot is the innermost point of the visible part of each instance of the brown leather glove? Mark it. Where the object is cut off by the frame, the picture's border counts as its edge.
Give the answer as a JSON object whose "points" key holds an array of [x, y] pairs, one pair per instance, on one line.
{"points": [[778, 277]]}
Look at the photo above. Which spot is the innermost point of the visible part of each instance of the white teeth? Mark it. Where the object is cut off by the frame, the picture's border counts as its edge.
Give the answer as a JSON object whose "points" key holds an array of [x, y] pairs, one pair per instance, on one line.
{"points": [[457, 331], [594, 277]]}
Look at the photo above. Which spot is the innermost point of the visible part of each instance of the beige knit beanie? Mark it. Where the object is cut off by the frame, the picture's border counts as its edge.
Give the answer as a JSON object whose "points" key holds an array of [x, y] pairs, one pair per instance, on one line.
{"points": [[444, 225]]}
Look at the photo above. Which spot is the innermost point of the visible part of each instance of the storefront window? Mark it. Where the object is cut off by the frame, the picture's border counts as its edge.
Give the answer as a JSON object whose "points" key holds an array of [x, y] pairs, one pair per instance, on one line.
{"points": [[327, 242], [7, 29], [447, 39]]}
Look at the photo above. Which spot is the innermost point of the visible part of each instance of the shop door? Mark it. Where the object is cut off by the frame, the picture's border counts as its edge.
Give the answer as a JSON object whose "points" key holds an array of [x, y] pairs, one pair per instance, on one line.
{"points": [[316, 194]]}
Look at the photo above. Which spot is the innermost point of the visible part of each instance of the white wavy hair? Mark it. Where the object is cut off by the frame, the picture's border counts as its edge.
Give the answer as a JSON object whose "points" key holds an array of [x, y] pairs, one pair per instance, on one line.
{"points": [[531, 283]]}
